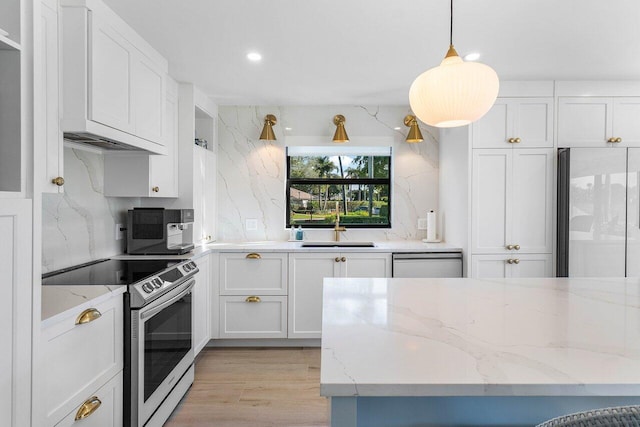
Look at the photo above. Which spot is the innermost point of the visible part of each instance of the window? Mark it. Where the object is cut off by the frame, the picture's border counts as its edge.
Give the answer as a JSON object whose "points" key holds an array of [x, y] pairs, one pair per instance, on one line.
{"points": [[355, 181]]}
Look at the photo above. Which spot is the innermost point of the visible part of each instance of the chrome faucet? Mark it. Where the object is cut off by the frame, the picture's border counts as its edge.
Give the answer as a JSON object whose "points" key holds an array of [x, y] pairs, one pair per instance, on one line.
{"points": [[337, 229]]}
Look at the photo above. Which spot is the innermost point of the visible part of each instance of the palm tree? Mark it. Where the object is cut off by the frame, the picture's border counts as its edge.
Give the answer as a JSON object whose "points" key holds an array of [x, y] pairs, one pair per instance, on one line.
{"points": [[324, 166]]}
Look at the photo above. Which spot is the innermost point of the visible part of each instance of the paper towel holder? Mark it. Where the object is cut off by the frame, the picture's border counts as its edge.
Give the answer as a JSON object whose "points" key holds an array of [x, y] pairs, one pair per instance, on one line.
{"points": [[432, 236]]}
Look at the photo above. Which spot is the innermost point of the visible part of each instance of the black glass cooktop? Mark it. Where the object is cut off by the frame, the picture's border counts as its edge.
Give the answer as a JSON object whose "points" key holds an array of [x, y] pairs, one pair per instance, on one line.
{"points": [[108, 272]]}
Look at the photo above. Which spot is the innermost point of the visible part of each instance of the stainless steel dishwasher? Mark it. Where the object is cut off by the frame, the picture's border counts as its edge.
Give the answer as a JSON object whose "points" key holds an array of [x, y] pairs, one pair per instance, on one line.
{"points": [[431, 264]]}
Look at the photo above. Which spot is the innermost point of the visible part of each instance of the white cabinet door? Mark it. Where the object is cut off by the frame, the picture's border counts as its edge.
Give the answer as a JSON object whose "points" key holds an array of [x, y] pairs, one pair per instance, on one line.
{"points": [[491, 193], [47, 97], [111, 77], [532, 122], [201, 307], [584, 121], [633, 212], [489, 266], [148, 98], [15, 313], [163, 170], [199, 181], [493, 129], [626, 116], [532, 201], [306, 274], [531, 265], [253, 316], [366, 265], [253, 273]]}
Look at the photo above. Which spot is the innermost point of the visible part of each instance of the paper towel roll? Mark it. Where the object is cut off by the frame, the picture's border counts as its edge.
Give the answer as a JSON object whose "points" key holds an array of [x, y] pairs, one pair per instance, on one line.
{"points": [[431, 226]]}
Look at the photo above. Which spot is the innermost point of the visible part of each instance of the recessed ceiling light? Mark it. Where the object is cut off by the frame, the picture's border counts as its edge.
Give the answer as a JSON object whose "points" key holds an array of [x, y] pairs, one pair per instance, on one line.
{"points": [[473, 56], [398, 128], [288, 128], [254, 56]]}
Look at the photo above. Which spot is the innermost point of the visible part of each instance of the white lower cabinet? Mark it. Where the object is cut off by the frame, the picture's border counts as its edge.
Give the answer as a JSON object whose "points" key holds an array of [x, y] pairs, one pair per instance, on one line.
{"points": [[253, 273], [253, 316], [201, 305], [503, 266], [82, 353], [101, 409], [306, 274]]}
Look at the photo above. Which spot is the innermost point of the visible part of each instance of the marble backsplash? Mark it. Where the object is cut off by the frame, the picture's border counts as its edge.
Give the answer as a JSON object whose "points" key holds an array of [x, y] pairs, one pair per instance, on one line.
{"points": [[78, 225], [252, 173]]}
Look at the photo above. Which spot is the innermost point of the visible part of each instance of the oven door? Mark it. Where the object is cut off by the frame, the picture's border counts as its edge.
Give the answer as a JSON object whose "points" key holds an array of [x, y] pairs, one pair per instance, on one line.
{"points": [[161, 349]]}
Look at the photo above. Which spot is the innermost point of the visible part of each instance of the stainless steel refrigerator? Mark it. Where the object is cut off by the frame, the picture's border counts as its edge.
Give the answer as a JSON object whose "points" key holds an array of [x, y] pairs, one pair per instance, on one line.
{"points": [[598, 234]]}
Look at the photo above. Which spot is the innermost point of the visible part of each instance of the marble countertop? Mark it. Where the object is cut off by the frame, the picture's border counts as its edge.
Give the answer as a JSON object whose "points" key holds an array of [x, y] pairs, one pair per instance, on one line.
{"points": [[470, 337], [58, 301], [280, 246]]}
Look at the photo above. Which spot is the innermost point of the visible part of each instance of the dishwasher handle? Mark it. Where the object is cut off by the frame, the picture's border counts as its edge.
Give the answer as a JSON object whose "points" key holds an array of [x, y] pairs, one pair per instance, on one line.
{"points": [[429, 255]]}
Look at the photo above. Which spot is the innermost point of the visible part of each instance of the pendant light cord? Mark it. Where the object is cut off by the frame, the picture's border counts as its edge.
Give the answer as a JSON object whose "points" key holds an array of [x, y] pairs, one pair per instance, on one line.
{"points": [[451, 25]]}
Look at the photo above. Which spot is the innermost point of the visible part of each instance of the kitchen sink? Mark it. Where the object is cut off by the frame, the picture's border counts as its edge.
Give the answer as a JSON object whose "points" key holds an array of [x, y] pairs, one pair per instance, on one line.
{"points": [[310, 244]]}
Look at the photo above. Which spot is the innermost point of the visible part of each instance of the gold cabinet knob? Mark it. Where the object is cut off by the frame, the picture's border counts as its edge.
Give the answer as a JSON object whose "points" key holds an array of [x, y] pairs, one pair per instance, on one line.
{"points": [[253, 255], [343, 259], [510, 247], [509, 261], [253, 298], [611, 140], [516, 247], [59, 181], [514, 140], [89, 315], [337, 259], [516, 261], [155, 189], [618, 139], [88, 407]]}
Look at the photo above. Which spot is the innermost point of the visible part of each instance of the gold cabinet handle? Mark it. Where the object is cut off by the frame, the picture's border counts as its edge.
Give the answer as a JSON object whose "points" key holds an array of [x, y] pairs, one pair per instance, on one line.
{"points": [[509, 261], [155, 189], [516, 261], [88, 407], [337, 259], [89, 315], [253, 255], [343, 259], [510, 247], [253, 298], [59, 181], [516, 247]]}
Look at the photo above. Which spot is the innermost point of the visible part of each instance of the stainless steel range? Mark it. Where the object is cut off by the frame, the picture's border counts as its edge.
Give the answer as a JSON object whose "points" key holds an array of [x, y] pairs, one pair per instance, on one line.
{"points": [[158, 347]]}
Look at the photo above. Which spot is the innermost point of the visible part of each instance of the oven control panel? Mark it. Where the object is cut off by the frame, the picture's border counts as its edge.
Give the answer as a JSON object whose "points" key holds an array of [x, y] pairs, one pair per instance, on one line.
{"points": [[152, 287]]}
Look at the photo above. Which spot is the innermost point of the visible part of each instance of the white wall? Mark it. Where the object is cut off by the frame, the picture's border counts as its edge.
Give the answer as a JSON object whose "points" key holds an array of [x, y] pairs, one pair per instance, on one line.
{"points": [[78, 226], [252, 173]]}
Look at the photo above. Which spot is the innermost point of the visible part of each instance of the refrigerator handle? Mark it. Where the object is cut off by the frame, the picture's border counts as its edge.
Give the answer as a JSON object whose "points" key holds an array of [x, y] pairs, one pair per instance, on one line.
{"points": [[564, 181]]}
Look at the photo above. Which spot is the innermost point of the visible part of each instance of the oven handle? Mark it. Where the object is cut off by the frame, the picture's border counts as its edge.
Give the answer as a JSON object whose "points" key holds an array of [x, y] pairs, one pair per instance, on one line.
{"points": [[156, 310]]}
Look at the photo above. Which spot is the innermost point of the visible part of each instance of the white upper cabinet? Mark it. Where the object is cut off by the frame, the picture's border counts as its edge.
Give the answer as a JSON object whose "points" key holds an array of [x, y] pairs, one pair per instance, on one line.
{"points": [[598, 121], [113, 81], [517, 123], [512, 201]]}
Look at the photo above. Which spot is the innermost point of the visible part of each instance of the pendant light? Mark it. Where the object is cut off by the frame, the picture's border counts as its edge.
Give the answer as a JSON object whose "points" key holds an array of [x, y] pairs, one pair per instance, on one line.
{"points": [[341, 133], [267, 130], [414, 134], [455, 93]]}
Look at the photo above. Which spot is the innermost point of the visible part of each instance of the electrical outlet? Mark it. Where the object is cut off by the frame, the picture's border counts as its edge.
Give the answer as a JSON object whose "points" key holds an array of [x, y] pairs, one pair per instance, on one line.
{"points": [[251, 224], [119, 231], [422, 223]]}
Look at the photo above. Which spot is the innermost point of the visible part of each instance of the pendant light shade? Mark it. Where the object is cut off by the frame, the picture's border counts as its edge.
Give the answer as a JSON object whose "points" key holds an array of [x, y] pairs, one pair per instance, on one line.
{"points": [[267, 130], [414, 134], [455, 93], [341, 133]]}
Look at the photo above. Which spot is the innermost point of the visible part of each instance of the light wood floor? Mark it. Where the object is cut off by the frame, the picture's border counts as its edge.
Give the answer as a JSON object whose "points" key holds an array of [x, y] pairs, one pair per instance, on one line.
{"points": [[255, 387]]}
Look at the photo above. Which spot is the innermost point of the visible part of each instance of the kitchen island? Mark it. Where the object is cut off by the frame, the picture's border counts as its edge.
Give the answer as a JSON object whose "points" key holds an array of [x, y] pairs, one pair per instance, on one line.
{"points": [[408, 352]]}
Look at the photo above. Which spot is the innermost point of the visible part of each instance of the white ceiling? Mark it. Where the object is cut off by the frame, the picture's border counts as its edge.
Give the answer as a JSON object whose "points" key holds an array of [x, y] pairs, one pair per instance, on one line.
{"points": [[329, 52]]}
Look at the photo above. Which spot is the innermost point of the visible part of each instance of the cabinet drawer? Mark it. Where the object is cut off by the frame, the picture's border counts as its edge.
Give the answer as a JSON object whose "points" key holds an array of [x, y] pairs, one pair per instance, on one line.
{"points": [[109, 411], [264, 318], [81, 357], [254, 273]]}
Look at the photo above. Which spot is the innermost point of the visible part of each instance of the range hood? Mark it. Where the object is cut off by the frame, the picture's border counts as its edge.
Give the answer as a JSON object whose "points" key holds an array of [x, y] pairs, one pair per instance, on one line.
{"points": [[97, 141]]}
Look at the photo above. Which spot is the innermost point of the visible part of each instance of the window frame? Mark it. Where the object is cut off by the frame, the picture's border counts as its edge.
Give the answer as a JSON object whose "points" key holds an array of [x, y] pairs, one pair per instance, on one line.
{"points": [[336, 181]]}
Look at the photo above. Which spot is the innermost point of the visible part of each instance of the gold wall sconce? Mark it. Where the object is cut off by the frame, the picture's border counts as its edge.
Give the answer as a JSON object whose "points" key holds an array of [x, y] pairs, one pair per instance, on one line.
{"points": [[267, 130], [414, 134], [341, 134]]}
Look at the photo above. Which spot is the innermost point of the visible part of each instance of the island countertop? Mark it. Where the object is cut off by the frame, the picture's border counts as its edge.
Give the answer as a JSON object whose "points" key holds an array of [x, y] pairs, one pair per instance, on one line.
{"points": [[470, 337]]}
